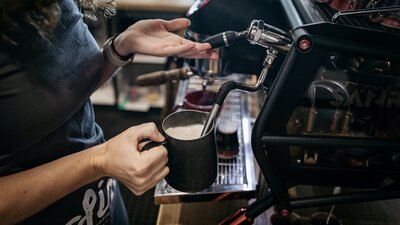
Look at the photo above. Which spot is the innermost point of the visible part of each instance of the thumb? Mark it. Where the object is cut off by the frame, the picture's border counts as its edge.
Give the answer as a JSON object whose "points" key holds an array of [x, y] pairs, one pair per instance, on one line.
{"points": [[176, 24]]}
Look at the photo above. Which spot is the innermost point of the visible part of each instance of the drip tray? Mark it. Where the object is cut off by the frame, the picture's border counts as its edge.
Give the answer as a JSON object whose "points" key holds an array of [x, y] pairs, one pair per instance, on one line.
{"points": [[236, 176]]}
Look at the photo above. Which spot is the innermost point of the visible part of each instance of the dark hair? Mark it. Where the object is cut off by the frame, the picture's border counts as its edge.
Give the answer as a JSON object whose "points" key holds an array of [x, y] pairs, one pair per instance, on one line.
{"points": [[43, 15]]}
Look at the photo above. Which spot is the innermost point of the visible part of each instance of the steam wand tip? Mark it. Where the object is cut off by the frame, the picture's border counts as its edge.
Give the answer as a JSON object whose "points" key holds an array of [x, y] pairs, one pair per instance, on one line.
{"points": [[219, 99], [210, 120]]}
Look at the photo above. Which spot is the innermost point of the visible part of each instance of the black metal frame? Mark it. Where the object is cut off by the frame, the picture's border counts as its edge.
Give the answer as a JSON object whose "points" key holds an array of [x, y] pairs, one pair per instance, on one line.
{"points": [[270, 141]]}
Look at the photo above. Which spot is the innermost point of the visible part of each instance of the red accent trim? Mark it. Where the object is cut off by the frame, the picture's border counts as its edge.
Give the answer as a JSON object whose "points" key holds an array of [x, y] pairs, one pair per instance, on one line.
{"points": [[304, 44]]}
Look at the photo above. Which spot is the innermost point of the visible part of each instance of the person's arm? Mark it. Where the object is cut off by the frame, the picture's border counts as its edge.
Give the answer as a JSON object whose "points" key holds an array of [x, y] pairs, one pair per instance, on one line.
{"points": [[25, 193], [155, 37]]}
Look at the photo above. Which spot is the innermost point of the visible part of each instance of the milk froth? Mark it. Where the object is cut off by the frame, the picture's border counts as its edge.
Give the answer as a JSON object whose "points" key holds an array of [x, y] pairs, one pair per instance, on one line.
{"points": [[189, 132]]}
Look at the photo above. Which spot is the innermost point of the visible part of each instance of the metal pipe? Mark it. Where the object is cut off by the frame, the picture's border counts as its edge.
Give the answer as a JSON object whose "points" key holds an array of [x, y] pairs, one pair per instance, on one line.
{"points": [[365, 11], [365, 196], [326, 142], [231, 85]]}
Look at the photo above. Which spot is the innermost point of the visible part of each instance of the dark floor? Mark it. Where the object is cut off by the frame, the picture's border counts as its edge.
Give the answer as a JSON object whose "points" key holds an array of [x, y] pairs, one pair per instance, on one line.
{"points": [[143, 211], [366, 213]]}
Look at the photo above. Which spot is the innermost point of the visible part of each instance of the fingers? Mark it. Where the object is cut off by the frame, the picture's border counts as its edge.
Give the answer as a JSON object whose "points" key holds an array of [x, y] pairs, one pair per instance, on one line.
{"points": [[196, 54], [203, 46], [158, 169], [158, 177], [139, 190], [176, 24], [137, 170], [154, 157], [179, 49], [151, 173], [199, 50], [148, 130], [208, 54], [142, 144]]}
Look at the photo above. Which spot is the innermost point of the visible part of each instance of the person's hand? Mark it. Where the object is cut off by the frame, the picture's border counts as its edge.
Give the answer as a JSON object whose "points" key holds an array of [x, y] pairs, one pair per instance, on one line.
{"points": [[154, 37], [120, 158]]}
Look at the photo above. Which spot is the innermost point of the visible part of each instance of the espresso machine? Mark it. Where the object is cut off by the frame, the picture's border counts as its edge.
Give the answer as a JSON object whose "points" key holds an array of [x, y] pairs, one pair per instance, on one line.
{"points": [[329, 114], [236, 173], [329, 117]]}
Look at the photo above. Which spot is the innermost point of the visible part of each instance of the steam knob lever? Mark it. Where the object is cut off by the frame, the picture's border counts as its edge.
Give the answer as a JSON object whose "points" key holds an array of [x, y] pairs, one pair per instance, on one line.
{"points": [[224, 39]]}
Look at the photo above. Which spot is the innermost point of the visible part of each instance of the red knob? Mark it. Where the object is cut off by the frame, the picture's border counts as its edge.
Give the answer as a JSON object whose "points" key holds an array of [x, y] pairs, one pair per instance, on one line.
{"points": [[304, 44]]}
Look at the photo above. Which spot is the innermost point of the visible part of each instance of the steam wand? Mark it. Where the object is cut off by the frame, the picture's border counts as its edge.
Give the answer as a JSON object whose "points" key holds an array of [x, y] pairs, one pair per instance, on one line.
{"points": [[260, 33], [228, 86]]}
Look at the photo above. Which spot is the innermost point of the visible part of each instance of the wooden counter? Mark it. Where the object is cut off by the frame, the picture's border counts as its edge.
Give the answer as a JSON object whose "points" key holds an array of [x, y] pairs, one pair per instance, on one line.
{"points": [[198, 213], [178, 6]]}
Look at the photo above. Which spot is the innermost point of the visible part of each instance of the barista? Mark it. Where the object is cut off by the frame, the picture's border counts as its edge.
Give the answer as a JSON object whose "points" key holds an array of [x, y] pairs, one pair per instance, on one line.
{"points": [[55, 167]]}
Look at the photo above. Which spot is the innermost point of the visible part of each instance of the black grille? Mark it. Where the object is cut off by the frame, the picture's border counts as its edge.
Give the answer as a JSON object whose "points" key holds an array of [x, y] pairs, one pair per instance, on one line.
{"points": [[352, 20]]}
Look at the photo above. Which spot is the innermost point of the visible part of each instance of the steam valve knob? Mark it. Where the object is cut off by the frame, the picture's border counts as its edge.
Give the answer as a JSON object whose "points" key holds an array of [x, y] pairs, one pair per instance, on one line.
{"points": [[223, 39]]}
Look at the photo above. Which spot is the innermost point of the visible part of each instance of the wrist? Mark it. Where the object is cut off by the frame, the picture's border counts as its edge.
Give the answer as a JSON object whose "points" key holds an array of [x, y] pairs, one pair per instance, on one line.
{"points": [[120, 48], [98, 160], [113, 56]]}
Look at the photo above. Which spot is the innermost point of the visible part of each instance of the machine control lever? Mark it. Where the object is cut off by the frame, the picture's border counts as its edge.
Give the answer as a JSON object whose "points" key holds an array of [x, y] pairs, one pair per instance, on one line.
{"points": [[224, 39], [161, 77]]}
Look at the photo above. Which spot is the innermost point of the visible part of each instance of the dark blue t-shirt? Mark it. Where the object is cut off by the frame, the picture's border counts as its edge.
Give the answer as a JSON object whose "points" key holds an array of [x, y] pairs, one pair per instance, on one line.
{"points": [[45, 111]]}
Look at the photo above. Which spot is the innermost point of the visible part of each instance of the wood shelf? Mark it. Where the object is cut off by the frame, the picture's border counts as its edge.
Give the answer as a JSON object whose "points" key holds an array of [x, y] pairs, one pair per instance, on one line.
{"points": [[176, 6]]}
